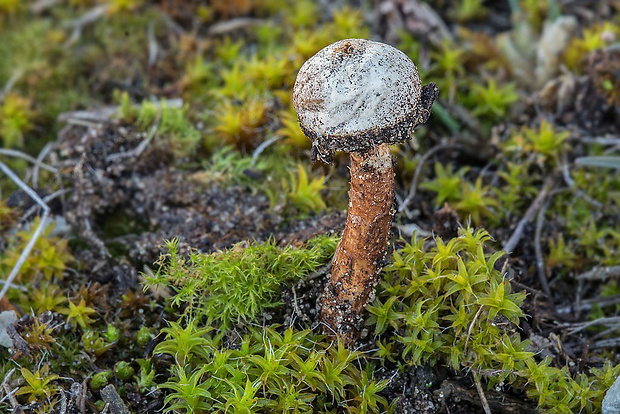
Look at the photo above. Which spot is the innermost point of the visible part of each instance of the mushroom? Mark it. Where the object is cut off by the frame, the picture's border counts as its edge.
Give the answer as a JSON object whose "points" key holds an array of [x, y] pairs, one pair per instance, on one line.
{"points": [[359, 96]]}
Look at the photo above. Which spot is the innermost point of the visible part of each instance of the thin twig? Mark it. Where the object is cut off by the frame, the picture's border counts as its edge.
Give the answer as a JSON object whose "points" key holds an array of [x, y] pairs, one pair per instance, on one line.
{"points": [[12, 81], [40, 6], [63, 401], [603, 343], [153, 47], [600, 273], [528, 289], [110, 396], [35, 236], [35, 172], [418, 170], [9, 393], [409, 229], [606, 140], [514, 239], [540, 261], [471, 326], [46, 199], [171, 24], [262, 147], [14, 286], [588, 304], [138, 150], [233, 25], [22, 155], [296, 306], [483, 398], [321, 271], [611, 321], [87, 18], [606, 343], [5, 382], [92, 119], [81, 400], [571, 183], [606, 332]]}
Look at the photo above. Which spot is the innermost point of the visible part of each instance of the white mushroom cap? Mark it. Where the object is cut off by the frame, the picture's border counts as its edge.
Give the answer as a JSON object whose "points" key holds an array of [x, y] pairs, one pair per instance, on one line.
{"points": [[356, 94]]}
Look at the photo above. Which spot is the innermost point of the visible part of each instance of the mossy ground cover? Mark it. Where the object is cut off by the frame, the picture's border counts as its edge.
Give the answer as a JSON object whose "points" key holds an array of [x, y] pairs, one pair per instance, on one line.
{"points": [[190, 236]]}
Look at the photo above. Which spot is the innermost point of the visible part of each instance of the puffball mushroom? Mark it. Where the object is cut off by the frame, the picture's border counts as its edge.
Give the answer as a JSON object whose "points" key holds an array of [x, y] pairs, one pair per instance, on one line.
{"points": [[359, 96]]}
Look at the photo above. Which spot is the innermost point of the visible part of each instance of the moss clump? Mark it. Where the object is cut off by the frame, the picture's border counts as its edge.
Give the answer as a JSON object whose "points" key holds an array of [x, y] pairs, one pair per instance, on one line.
{"points": [[240, 283], [450, 304], [470, 199], [48, 259], [545, 141], [267, 371], [16, 116], [595, 37], [171, 124], [261, 369], [304, 194]]}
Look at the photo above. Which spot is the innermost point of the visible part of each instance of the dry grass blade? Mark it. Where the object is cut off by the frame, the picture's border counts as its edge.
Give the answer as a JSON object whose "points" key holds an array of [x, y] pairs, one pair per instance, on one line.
{"points": [[416, 176], [516, 236], [23, 155], [600, 273], [42, 224], [483, 398]]}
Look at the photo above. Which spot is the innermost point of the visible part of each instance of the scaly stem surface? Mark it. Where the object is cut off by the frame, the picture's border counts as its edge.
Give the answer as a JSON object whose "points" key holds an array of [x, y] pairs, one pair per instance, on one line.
{"points": [[361, 251]]}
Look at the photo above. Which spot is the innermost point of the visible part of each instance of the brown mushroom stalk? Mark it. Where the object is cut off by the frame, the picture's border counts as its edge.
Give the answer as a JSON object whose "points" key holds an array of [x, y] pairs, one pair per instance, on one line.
{"points": [[359, 96], [361, 250]]}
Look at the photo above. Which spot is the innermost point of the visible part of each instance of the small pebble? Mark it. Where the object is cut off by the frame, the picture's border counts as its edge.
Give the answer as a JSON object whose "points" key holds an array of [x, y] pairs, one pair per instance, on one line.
{"points": [[7, 318], [611, 402]]}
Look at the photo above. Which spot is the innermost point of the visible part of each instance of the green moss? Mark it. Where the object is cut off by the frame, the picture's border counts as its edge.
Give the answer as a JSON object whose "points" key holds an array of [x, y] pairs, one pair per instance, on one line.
{"points": [[170, 124], [264, 369], [123, 370], [48, 259], [80, 315], [304, 194], [545, 141], [466, 10], [239, 124], [446, 184], [473, 200], [268, 371], [451, 305], [48, 75], [16, 118], [100, 379], [448, 68], [10, 7], [591, 39], [492, 101], [516, 189], [240, 283], [38, 385]]}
